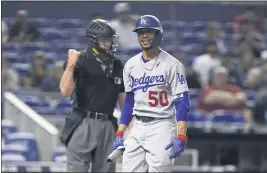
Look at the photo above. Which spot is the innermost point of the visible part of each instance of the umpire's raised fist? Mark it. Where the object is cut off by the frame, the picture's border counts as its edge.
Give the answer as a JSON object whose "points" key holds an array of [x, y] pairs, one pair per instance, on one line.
{"points": [[73, 56]]}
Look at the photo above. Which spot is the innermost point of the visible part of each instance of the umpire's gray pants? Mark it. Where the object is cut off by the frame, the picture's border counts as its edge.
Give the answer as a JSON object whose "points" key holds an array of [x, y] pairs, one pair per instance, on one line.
{"points": [[91, 142]]}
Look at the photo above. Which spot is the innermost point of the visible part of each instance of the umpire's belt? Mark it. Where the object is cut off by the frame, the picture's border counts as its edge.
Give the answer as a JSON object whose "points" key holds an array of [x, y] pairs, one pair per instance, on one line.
{"points": [[145, 119], [94, 115]]}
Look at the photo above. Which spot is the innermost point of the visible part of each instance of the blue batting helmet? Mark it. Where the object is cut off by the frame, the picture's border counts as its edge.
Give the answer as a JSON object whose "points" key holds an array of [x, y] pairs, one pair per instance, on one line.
{"points": [[150, 22]]}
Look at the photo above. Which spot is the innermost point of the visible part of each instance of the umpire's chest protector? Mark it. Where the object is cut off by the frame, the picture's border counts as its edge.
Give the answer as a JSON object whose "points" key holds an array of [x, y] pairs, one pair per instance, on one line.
{"points": [[105, 73]]}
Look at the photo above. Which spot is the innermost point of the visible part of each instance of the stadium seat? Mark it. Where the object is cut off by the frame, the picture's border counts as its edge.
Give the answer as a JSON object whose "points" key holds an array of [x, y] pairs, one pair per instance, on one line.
{"points": [[61, 159], [58, 151], [198, 26], [8, 127], [13, 158], [10, 47], [191, 38], [43, 22], [21, 68], [197, 119], [227, 121], [63, 106], [70, 23], [227, 117], [51, 34], [34, 46], [25, 139], [17, 149]]}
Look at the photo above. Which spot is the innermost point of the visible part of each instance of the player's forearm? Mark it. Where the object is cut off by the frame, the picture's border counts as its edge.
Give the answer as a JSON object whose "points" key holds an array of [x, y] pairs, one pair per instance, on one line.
{"points": [[127, 112], [67, 83], [182, 109], [182, 128]]}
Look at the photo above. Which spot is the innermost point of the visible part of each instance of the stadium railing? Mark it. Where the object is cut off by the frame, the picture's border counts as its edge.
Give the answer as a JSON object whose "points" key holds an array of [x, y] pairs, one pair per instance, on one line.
{"points": [[27, 120]]}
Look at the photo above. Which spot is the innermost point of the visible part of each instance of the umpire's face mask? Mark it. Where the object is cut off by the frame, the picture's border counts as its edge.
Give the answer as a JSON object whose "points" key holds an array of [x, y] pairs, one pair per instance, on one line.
{"points": [[105, 44]]}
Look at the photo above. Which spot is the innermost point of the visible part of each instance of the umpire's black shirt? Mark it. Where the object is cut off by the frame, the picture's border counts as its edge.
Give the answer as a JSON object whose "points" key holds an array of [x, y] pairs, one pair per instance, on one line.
{"points": [[96, 92]]}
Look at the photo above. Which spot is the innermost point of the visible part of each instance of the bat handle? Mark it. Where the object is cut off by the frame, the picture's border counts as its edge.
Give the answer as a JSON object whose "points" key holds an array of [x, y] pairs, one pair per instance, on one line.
{"points": [[114, 155]]}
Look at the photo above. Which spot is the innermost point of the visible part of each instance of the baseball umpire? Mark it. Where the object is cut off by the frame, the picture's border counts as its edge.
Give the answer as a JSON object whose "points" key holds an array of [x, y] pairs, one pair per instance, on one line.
{"points": [[93, 78]]}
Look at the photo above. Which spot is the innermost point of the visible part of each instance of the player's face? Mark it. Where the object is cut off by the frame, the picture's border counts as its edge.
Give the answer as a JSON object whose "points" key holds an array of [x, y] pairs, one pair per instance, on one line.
{"points": [[105, 44], [145, 37]]}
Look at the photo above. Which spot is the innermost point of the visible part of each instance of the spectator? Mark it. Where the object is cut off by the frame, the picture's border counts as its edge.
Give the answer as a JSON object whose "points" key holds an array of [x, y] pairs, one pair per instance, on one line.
{"points": [[37, 72], [192, 77], [256, 77], [204, 63], [265, 19], [260, 108], [10, 78], [50, 82], [213, 32], [223, 96], [248, 39], [235, 73], [124, 24], [246, 65], [4, 32], [22, 30], [248, 13]]}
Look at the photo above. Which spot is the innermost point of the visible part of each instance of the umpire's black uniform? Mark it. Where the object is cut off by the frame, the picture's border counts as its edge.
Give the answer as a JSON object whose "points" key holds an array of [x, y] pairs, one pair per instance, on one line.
{"points": [[89, 129]]}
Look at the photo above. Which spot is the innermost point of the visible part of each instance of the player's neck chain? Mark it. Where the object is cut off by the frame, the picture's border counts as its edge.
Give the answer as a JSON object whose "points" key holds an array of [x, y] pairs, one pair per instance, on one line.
{"points": [[155, 60]]}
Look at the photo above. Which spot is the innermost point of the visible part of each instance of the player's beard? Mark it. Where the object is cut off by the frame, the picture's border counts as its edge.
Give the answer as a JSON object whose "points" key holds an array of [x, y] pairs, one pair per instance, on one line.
{"points": [[147, 46]]}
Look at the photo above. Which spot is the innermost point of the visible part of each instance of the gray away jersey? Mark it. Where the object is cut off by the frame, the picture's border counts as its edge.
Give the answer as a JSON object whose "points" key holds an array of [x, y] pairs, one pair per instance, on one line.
{"points": [[155, 84]]}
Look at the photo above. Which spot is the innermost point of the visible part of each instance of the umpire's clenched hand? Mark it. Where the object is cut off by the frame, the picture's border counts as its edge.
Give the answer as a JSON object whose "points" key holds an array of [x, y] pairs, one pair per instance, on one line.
{"points": [[177, 148], [73, 56]]}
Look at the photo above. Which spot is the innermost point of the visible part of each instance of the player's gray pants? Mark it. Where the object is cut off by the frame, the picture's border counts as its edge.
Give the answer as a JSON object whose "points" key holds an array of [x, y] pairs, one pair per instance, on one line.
{"points": [[91, 142], [145, 148]]}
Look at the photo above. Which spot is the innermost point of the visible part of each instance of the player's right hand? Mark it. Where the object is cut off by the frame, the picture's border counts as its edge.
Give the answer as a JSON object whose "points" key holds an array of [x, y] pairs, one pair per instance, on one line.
{"points": [[118, 140], [73, 56]]}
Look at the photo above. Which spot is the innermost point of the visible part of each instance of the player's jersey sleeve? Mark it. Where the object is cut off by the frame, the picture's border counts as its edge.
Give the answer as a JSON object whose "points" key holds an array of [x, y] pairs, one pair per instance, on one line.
{"points": [[126, 79], [177, 79]]}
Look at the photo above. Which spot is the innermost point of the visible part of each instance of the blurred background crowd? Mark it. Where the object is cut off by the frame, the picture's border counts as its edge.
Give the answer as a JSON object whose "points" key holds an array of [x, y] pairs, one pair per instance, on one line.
{"points": [[225, 56]]}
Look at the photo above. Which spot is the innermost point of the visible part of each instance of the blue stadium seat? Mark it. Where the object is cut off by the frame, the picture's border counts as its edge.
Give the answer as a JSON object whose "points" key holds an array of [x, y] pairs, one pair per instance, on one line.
{"points": [[63, 106], [14, 57], [43, 22], [17, 149], [197, 119], [63, 48], [34, 46], [61, 159], [27, 140], [191, 38], [51, 34], [198, 26], [70, 23], [251, 96], [21, 68], [40, 105], [8, 127], [168, 26], [180, 26], [11, 47], [227, 117], [13, 158], [58, 151]]}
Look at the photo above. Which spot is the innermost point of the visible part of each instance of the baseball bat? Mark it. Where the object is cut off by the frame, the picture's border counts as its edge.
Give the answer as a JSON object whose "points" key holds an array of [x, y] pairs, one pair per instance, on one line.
{"points": [[115, 154]]}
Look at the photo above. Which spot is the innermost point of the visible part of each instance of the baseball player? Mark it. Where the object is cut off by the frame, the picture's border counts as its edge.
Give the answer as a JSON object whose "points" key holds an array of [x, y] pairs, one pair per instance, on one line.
{"points": [[157, 98]]}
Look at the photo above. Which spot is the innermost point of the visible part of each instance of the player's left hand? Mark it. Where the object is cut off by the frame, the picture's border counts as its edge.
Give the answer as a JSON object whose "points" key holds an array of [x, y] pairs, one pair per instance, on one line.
{"points": [[177, 148]]}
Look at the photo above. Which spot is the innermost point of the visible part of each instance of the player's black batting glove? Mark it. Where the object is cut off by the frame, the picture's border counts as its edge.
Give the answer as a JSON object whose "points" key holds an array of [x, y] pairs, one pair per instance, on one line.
{"points": [[177, 146], [118, 140]]}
